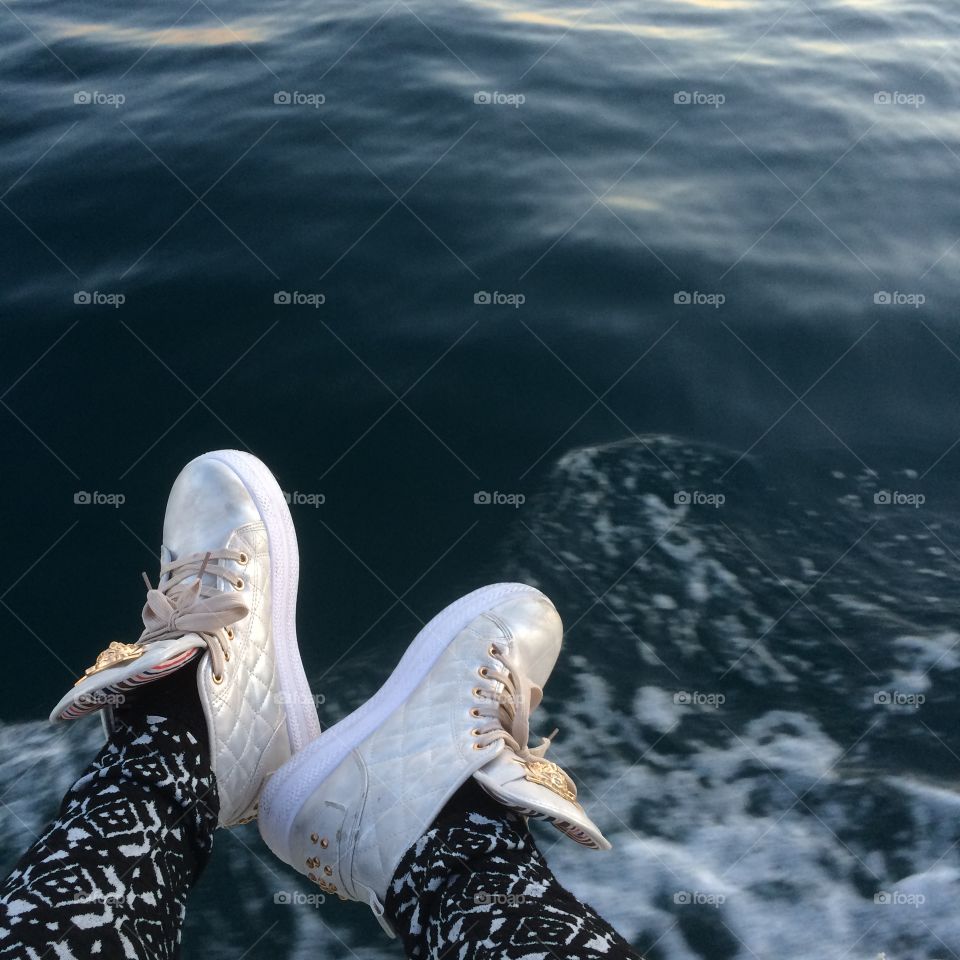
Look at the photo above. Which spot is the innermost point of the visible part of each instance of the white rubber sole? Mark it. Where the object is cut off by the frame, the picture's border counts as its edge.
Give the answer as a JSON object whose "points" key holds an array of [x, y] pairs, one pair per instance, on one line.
{"points": [[303, 725], [289, 788]]}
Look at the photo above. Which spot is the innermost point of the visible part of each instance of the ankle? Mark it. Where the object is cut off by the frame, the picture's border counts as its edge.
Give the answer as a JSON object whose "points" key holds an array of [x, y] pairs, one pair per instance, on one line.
{"points": [[174, 697], [472, 799]]}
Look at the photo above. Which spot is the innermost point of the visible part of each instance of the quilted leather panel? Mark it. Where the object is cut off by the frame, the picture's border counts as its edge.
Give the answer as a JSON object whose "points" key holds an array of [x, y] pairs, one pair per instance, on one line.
{"points": [[383, 796], [244, 713], [414, 762]]}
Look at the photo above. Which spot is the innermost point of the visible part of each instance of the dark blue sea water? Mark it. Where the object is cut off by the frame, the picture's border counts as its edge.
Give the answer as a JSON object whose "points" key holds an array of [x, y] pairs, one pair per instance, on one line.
{"points": [[680, 276]]}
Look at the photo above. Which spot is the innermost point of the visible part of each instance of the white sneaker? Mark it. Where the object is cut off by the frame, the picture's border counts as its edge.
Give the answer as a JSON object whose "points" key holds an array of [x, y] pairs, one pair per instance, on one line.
{"points": [[228, 588], [345, 809]]}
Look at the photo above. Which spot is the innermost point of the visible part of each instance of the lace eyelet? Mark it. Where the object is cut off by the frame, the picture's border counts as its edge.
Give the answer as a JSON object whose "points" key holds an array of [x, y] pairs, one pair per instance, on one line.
{"points": [[484, 673], [479, 746], [217, 680], [230, 633], [474, 732], [474, 712], [243, 559], [226, 656], [494, 650], [239, 583], [478, 694], [328, 871]]}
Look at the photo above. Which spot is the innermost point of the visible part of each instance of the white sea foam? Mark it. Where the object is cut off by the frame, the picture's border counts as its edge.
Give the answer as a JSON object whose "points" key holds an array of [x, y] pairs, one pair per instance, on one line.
{"points": [[791, 887]]}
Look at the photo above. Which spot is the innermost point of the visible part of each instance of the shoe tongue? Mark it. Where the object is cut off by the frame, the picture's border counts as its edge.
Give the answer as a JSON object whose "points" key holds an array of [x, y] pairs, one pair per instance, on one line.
{"points": [[540, 789], [518, 776], [120, 668], [187, 641]]}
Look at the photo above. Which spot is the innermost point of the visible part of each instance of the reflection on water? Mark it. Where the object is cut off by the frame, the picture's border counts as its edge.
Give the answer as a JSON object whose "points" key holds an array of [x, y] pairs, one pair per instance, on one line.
{"points": [[174, 36]]}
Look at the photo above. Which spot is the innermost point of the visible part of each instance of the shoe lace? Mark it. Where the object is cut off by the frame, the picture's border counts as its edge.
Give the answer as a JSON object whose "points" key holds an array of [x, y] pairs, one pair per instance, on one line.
{"points": [[515, 696], [188, 599]]}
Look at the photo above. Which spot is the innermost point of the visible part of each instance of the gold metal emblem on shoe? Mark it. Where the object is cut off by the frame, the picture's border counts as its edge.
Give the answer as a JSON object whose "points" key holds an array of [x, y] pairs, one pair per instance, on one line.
{"points": [[113, 656], [549, 775]]}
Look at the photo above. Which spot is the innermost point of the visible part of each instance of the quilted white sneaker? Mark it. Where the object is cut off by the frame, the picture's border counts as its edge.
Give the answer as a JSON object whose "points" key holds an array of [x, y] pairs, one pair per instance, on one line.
{"points": [[345, 809], [227, 590]]}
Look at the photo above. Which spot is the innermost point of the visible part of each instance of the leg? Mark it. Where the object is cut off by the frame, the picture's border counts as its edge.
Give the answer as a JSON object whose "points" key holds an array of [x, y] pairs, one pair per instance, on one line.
{"points": [[475, 886], [212, 699], [415, 803], [109, 877]]}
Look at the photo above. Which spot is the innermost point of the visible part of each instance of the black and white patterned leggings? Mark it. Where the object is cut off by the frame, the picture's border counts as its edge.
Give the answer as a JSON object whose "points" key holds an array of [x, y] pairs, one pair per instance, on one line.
{"points": [[475, 886], [110, 876]]}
